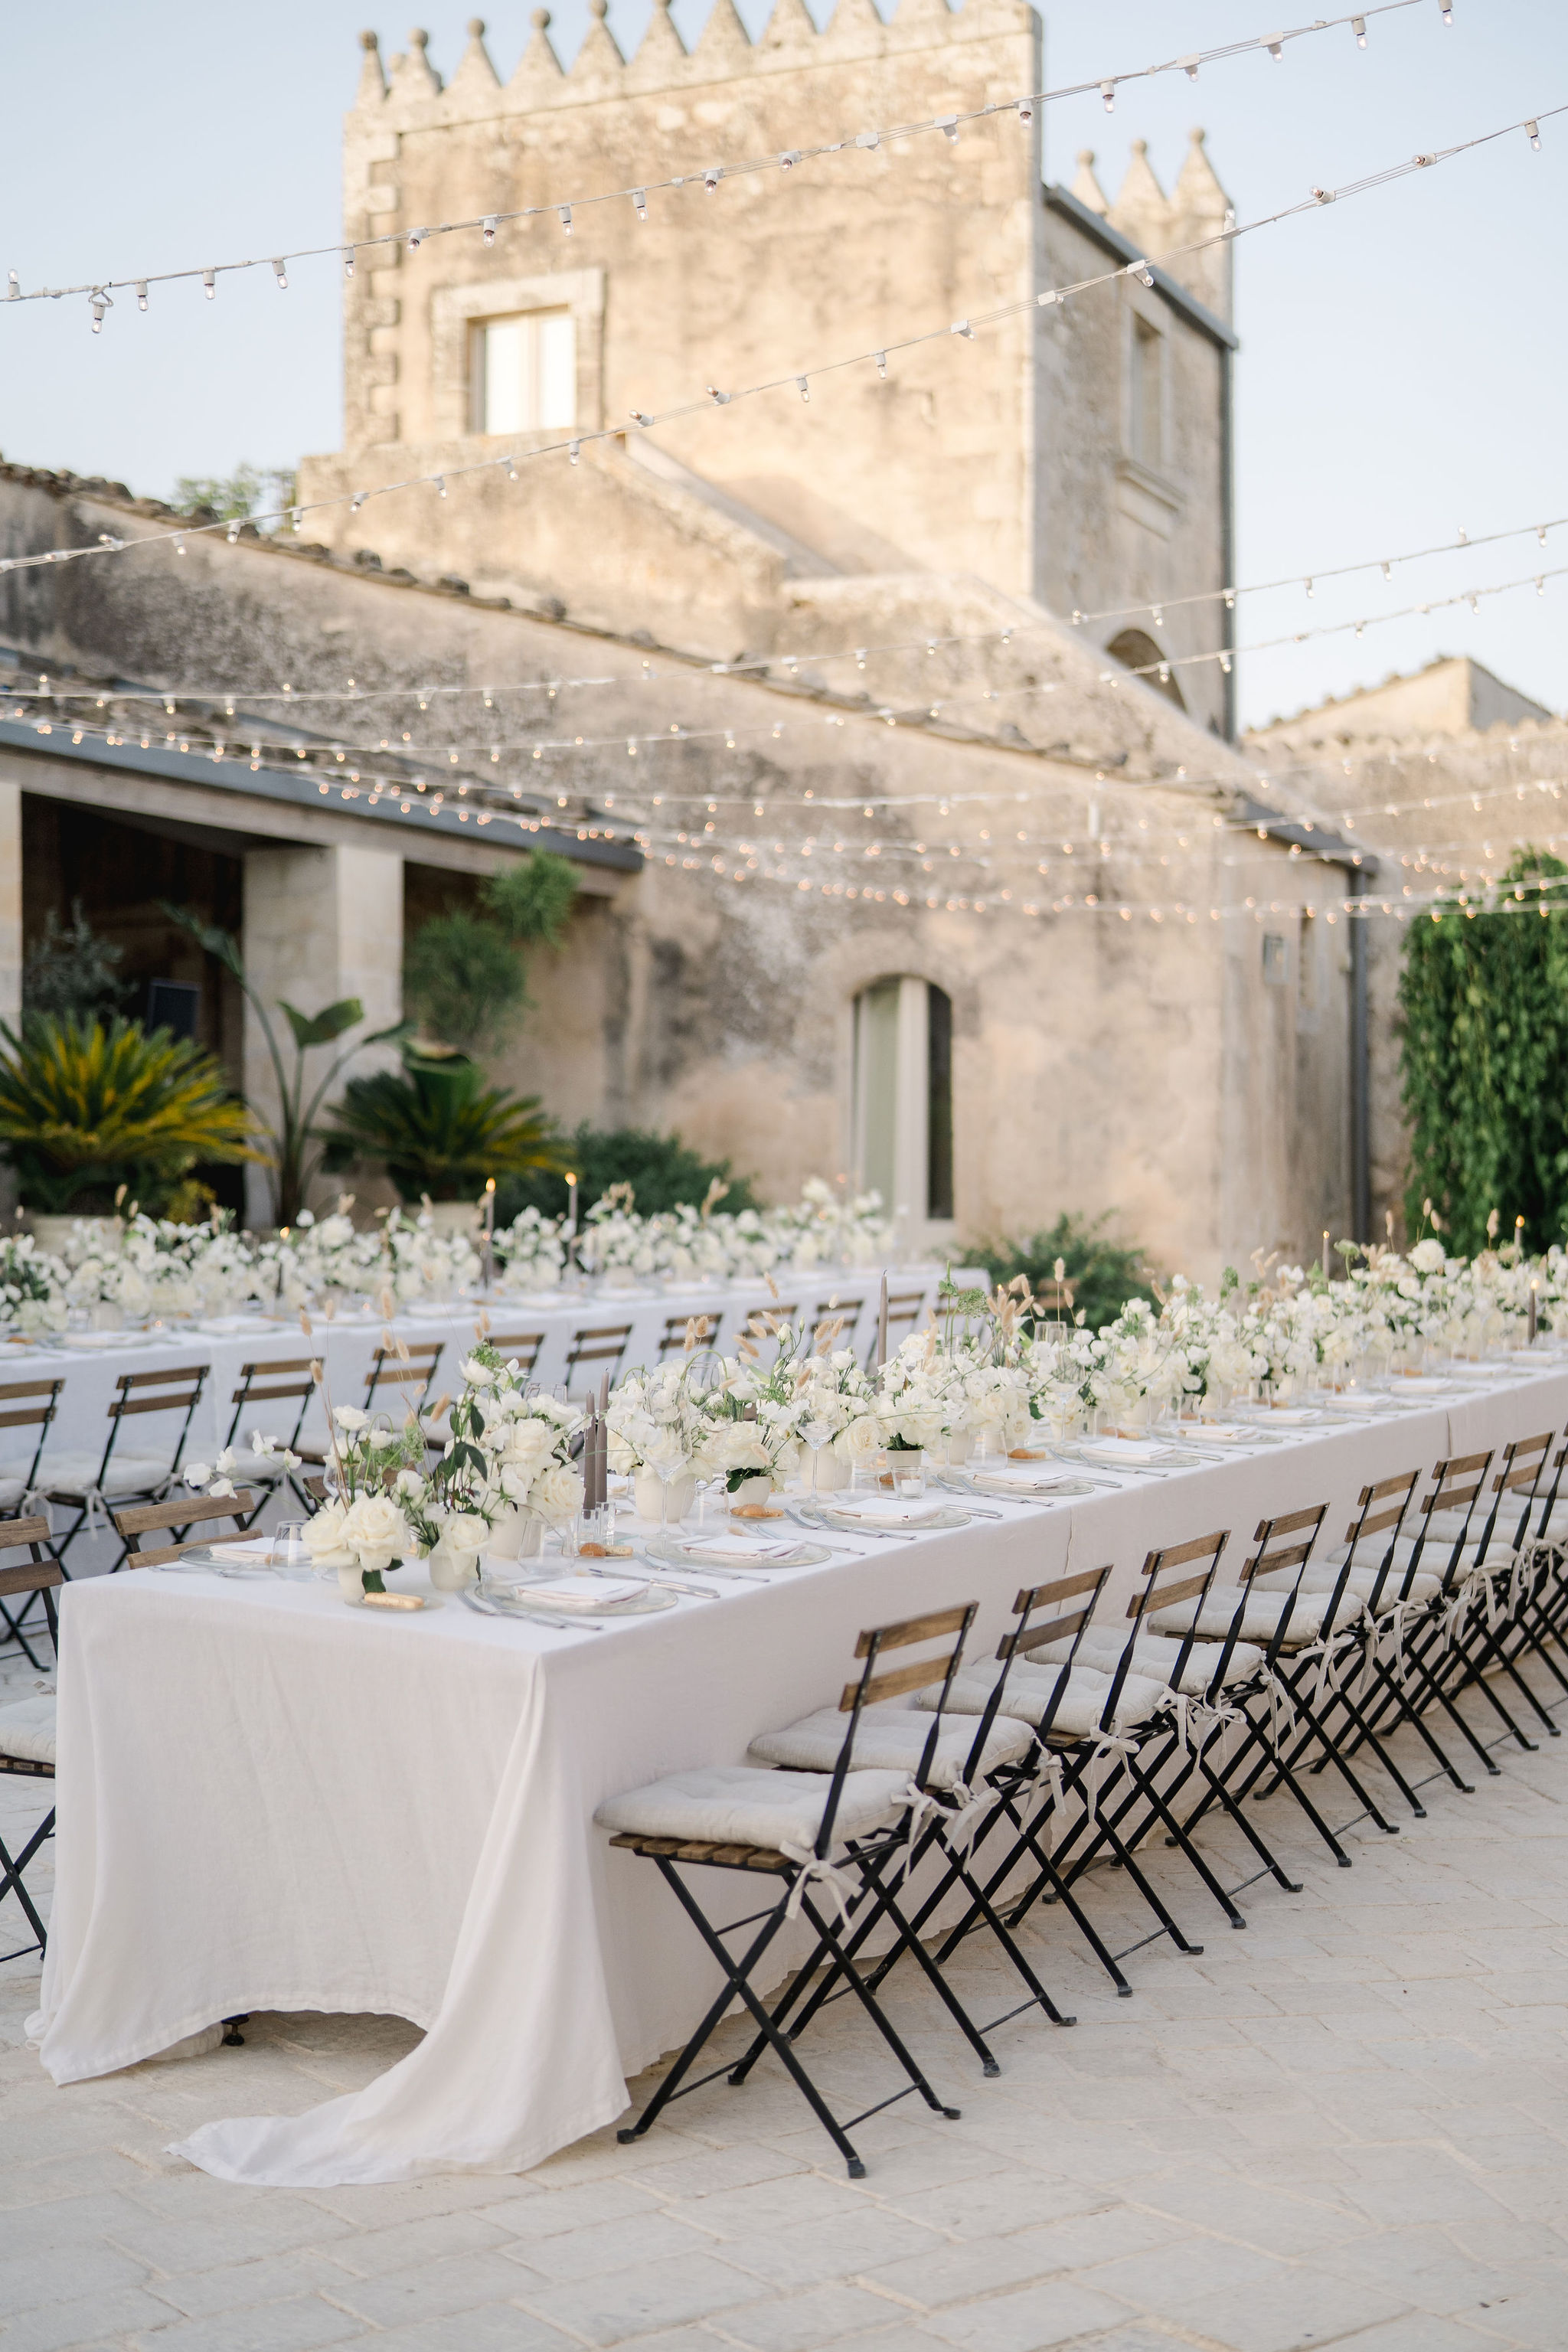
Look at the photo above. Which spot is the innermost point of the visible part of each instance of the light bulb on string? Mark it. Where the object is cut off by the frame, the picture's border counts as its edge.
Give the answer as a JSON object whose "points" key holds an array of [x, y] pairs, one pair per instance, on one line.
{"points": [[100, 303], [1358, 27], [13, 287], [574, 451], [803, 387], [1108, 93], [488, 233], [1025, 109], [440, 486], [788, 160], [348, 261], [711, 176], [209, 283], [639, 203], [1275, 50], [356, 502], [1447, 12], [141, 293], [565, 213], [1189, 65], [281, 273], [1532, 131]]}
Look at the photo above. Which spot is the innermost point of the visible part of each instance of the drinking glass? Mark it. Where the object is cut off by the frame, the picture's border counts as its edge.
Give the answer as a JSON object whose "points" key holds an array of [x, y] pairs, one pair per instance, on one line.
{"points": [[288, 1554], [816, 1435], [909, 1474]]}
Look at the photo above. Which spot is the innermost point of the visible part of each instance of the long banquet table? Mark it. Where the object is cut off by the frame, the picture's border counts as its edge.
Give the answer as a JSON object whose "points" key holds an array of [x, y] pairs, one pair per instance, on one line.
{"points": [[90, 1364], [270, 1803]]}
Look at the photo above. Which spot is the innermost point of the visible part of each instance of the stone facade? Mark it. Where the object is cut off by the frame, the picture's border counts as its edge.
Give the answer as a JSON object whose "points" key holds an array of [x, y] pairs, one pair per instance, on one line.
{"points": [[1444, 777], [1077, 454]]}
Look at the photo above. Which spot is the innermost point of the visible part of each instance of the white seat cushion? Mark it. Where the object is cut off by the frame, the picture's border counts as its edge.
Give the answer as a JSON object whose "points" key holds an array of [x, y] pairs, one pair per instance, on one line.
{"points": [[891, 1739], [27, 1729], [733, 1804], [12, 1483], [1361, 1584], [1155, 1655], [1080, 1710], [1262, 1614], [72, 1475]]}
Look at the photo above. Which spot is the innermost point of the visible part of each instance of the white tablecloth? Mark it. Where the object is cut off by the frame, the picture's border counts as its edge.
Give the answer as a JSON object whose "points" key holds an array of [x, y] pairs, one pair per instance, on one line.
{"points": [[345, 1349], [394, 1814]]}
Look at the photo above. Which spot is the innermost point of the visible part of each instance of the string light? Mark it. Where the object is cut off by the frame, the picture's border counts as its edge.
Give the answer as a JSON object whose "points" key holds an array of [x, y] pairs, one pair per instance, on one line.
{"points": [[864, 140], [988, 319], [281, 273]]}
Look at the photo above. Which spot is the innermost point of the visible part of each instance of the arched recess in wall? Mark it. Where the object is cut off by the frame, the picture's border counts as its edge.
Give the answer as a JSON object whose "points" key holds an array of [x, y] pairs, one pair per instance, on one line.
{"points": [[903, 1097], [1134, 650]]}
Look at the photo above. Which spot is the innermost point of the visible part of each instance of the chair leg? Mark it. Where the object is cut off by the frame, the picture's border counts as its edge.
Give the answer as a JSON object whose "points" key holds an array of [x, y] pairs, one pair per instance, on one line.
{"points": [[11, 1882]]}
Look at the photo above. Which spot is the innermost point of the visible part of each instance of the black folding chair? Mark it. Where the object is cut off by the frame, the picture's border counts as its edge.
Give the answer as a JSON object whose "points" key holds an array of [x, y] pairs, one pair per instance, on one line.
{"points": [[27, 1724], [860, 1836], [605, 1346], [291, 1383], [28, 1405], [119, 1479]]}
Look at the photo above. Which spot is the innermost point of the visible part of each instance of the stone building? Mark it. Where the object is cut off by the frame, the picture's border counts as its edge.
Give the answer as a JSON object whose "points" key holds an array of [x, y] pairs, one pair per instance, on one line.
{"points": [[1445, 776], [893, 869]]}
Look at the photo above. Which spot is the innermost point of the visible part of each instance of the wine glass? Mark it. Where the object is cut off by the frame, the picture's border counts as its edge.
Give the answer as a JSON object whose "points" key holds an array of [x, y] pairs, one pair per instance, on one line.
{"points": [[816, 1433], [289, 1555]]}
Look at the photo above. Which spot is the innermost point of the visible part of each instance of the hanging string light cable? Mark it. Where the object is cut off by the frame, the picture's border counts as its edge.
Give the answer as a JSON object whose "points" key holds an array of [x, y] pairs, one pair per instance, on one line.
{"points": [[706, 176], [790, 379]]}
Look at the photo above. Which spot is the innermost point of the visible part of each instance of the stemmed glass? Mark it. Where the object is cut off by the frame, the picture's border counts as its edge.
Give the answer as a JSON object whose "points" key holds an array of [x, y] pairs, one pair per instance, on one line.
{"points": [[668, 1465], [816, 1433]]}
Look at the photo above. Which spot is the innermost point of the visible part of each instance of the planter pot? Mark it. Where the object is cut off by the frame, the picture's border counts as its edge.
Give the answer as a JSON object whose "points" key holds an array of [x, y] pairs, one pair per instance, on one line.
{"points": [[52, 1233], [449, 1575], [751, 1494], [456, 1217], [517, 1535], [647, 1489], [829, 1474]]}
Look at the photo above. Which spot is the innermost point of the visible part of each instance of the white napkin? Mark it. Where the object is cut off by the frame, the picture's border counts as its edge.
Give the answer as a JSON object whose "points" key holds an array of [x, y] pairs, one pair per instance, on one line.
{"points": [[886, 1510], [578, 1593]]}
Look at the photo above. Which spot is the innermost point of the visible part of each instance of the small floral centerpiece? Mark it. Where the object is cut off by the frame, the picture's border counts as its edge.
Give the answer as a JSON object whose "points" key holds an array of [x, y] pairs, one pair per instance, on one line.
{"points": [[531, 1252], [655, 1424], [380, 1515], [507, 1472], [32, 1288], [752, 1416]]}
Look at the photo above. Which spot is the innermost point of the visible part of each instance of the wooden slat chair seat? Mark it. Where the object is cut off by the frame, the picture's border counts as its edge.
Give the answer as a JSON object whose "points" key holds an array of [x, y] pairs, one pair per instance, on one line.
{"points": [[683, 1334], [399, 1383], [264, 1388], [603, 1346], [183, 1511], [828, 1839], [122, 1473], [27, 1405], [28, 1724]]}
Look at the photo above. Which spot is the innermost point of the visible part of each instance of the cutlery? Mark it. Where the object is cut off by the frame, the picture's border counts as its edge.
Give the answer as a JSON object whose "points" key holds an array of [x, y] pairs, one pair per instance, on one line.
{"points": [[697, 1591], [537, 1616], [878, 1535]]}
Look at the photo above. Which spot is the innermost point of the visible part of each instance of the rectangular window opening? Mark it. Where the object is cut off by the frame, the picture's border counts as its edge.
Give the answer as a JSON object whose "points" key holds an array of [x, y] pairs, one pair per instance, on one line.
{"points": [[1145, 403], [522, 373]]}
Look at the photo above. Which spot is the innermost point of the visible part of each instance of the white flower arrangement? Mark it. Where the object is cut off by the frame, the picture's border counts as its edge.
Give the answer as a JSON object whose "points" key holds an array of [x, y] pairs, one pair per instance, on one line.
{"points": [[32, 1288]]}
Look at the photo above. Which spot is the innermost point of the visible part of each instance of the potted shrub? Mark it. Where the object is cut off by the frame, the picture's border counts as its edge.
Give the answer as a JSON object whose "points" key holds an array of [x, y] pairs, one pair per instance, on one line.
{"points": [[438, 1132], [90, 1114]]}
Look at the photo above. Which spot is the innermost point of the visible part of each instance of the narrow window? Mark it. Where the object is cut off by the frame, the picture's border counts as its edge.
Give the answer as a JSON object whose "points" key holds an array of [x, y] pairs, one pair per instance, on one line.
{"points": [[522, 373], [1146, 395], [902, 1089]]}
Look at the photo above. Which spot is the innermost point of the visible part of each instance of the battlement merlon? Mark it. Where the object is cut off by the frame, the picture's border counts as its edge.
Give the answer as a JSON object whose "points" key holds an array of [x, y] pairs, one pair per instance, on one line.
{"points": [[410, 93]]}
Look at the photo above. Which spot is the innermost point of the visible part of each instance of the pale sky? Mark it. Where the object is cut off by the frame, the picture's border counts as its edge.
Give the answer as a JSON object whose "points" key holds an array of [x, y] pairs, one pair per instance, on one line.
{"points": [[1402, 361]]}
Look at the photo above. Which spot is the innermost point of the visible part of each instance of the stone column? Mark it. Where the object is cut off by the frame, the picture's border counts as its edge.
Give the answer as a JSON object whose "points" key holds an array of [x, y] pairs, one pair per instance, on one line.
{"points": [[320, 925]]}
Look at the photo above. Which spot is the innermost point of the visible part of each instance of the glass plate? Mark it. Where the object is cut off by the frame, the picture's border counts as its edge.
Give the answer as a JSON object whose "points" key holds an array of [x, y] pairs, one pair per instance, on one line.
{"points": [[946, 1516], [804, 1555], [512, 1601]]}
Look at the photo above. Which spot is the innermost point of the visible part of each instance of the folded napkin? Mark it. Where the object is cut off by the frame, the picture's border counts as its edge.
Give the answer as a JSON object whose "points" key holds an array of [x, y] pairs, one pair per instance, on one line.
{"points": [[255, 1547], [879, 1510], [581, 1592]]}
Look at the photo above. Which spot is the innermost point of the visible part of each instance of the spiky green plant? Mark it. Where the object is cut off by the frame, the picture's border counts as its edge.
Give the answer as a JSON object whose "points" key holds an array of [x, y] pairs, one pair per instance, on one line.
{"points": [[85, 1110], [437, 1129]]}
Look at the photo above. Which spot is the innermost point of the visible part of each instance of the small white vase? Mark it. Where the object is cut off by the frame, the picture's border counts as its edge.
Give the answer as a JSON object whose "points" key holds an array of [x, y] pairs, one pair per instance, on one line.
{"points": [[960, 1445], [449, 1575], [829, 1474], [750, 1494], [647, 1493], [517, 1535], [350, 1584]]}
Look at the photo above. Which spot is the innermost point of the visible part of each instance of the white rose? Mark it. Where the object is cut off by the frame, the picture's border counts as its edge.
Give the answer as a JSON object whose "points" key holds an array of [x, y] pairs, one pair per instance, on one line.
{"points": [[350, 1417], [324, 1538], [528, 1443], [557, 1492], [477, 1375], [375, 1531]]}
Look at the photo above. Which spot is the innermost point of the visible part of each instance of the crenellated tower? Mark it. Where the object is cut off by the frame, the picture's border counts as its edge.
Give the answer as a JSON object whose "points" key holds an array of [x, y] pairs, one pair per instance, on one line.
{"points": [[1076, 454]]}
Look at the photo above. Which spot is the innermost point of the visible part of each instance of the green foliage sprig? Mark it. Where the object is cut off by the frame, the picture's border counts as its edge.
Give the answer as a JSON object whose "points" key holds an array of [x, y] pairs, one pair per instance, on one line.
{"points": [[1483, 1001]]}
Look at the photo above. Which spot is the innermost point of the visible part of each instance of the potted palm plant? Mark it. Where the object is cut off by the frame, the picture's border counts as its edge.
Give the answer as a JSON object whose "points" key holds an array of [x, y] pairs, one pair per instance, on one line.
{"points": [[91, 1113], [437, 1129]]}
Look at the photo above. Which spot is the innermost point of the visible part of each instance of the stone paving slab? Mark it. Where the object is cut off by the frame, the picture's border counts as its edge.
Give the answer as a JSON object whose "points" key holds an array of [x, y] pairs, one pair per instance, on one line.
{"points": [[1348, 2126]]}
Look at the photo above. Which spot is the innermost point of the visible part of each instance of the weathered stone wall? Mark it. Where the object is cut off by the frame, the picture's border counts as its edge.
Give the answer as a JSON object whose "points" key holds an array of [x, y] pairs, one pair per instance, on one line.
{"points": [[1138, 1063], [1008, 455]]}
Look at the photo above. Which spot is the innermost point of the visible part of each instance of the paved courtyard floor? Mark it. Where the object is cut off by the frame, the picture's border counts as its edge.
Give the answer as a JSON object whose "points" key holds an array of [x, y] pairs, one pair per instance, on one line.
{"points": [[1348, 2126]]}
